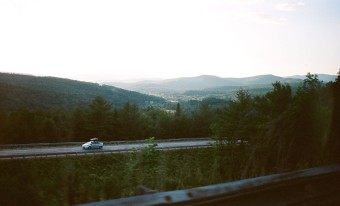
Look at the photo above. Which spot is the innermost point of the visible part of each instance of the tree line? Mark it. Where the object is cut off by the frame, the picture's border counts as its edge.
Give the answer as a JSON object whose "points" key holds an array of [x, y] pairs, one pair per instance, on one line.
{"points": [[286, 129], [101, 120], [285, 126]]}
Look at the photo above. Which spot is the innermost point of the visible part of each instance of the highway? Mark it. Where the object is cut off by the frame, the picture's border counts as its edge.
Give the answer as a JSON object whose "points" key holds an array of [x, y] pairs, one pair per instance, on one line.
{"points": [[110, 148]]}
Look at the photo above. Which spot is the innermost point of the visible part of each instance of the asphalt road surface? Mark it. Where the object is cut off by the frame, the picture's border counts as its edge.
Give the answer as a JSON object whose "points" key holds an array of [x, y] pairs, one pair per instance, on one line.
{"points": [[77, 150]]}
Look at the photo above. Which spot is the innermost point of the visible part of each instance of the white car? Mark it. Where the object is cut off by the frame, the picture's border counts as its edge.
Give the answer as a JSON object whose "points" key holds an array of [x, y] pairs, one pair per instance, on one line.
{"points": [[93, 144]]}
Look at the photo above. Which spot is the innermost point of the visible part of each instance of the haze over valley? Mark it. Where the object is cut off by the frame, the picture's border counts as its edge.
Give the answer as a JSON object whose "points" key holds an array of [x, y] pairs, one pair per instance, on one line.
{"points": [[200, 87]]}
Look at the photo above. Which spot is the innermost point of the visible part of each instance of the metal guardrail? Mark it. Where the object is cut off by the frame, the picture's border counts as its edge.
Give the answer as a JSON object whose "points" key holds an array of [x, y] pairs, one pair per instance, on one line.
{"points": [[315, 186], [105, 142], [91, 152]]}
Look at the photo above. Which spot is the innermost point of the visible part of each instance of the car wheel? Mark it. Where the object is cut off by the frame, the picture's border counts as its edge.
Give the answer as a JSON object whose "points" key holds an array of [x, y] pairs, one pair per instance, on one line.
{"points": [[89, 147], [100, 147]]}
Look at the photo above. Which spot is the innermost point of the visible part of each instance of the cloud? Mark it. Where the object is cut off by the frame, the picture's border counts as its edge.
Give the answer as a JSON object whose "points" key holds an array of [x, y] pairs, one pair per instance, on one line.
{"points": [[244, 2], [290, 6], [267, 18], [260, 17], [252, 10], [245, 11]]}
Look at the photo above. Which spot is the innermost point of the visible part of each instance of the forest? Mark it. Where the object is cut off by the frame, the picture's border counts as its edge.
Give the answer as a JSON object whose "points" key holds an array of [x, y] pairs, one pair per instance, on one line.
{"points": [[34, 92], [297, 124]]}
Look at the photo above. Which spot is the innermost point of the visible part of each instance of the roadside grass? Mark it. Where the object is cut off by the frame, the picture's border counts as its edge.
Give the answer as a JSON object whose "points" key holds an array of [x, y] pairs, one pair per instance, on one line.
{"points": [[82, 179]]}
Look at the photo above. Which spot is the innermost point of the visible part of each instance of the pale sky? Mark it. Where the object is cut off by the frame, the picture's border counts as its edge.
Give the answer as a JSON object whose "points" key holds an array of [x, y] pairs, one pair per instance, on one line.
{"points": [[103, 40]]}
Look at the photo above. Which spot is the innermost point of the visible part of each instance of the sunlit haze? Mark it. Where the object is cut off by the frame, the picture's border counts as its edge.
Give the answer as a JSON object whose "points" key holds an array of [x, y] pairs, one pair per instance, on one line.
{"points": [[106, 40]]}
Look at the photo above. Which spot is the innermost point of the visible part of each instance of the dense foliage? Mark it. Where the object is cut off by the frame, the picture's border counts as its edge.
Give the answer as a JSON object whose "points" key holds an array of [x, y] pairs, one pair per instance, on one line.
{"points": [[83, 179], [100, 120], [49, 92]]}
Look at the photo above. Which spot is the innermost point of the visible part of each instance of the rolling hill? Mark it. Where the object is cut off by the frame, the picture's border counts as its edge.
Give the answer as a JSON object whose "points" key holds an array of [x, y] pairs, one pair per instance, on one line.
{"points": [[200, 87], [18, 90], [200, 83]]}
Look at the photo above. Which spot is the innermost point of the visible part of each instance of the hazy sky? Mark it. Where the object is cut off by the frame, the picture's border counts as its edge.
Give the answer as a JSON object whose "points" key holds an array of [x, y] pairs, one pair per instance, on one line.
{"points": [[104, 40]]}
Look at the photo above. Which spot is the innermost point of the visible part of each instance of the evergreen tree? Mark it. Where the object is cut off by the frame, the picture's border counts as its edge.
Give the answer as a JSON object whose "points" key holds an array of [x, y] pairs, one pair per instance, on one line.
{"points": [[202, 120], [237, 119], [98, 118], [178, 110], [334, 136], [129, 121]]}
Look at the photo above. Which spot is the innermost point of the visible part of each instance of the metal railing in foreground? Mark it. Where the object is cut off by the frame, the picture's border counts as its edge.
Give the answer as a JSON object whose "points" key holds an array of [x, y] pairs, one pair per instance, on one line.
{"points": [[315, 186]]}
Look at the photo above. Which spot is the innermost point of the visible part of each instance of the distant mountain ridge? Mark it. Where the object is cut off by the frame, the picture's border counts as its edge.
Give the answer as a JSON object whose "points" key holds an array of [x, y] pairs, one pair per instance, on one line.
{"points": [[18, 90], [322, 77], [208, 81]]}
